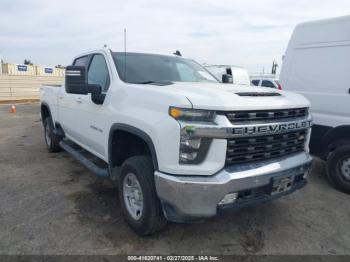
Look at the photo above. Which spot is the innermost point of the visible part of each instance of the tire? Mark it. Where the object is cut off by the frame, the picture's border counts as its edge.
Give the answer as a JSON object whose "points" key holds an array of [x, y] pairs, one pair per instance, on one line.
{"points": [[338, 168], [148, 218], [51, 140]]}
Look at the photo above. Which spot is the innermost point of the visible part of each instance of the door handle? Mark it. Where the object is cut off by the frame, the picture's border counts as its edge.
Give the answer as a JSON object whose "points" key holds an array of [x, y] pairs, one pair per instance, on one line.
{"points": [[60, 97], [79, 100]]}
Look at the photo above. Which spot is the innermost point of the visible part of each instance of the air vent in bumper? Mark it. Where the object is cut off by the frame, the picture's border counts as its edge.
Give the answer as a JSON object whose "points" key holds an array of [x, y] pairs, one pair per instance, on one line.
{"points": [[258, 94]]}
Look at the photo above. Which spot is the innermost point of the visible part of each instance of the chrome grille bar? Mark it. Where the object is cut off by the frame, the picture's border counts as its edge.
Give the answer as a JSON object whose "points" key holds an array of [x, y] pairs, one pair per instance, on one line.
{"points": [[265, 115]]}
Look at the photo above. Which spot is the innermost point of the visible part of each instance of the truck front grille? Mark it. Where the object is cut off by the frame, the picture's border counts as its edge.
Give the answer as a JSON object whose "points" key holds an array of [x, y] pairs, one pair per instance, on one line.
{"points": [[260, 148], [265, 115]]}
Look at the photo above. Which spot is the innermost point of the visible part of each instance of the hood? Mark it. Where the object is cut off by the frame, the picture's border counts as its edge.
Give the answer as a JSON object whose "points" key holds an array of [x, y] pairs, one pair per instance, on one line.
{"points": [[216, 96]]}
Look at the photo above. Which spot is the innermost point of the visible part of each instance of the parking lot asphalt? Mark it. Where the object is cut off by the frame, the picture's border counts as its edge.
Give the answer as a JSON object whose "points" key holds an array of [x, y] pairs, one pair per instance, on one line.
{"points": [[50, 204]]}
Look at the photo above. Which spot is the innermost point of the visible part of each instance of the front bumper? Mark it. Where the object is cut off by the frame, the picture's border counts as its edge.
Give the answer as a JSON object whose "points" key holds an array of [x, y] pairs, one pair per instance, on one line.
{"points": [[185, 198]]}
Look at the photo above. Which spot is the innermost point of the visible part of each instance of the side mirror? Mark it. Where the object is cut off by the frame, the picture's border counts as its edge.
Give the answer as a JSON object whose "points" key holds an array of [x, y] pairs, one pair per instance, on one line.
{"points": [[76, 82], [226, 78]]}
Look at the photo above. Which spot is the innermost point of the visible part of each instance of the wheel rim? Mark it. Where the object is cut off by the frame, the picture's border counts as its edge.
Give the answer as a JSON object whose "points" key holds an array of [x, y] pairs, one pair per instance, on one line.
{"points": [[47, 135], [133, 197], [345, 168]]}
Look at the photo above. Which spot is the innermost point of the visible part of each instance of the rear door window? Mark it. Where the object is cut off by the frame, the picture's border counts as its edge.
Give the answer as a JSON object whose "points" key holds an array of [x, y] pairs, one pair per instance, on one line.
{"points": [[267, 83], [81, 61], [255, 82]]}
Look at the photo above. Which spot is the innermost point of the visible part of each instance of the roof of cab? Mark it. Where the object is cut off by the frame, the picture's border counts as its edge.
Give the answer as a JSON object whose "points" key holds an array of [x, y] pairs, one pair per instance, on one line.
{"points": [[106, 50]]}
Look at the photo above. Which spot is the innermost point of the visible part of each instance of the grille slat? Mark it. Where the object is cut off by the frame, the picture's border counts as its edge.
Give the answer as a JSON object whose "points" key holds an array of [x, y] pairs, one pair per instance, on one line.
{"points": [[266, 115], [242, 142], [265, 150], [242, 150], [260, 157]]}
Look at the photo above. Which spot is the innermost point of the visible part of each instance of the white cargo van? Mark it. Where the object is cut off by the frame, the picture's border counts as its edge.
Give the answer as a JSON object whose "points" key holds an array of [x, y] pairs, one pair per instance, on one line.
{"points": [[240, 75], [317, 65]]}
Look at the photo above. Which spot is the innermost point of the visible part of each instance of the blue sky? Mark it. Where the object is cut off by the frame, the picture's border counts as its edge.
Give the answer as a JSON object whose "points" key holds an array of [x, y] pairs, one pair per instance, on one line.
{"points": [[249, 33]]}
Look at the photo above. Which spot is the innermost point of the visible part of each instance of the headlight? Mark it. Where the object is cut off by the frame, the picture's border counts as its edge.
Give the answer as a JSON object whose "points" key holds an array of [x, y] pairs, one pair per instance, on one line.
{"points": [[193, 150], [192, 115]]}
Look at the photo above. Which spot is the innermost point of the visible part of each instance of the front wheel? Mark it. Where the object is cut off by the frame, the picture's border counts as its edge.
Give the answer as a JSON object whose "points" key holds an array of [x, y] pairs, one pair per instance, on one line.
{"points": [[51, 139], [338, 168], [140, 205]]}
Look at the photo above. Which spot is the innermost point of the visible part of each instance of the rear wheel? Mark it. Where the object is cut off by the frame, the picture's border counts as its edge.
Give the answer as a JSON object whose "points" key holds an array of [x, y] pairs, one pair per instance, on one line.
{"points": [[51, 139], [338, 166], [140, 204]]}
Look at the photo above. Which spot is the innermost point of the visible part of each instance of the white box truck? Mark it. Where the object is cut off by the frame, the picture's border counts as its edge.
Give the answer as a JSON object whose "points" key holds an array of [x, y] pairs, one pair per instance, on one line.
{"points": [[317, 65]]}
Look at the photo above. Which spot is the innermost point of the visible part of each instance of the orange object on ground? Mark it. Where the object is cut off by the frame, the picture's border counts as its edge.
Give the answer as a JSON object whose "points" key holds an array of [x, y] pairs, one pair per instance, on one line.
{"points": [[13, 109]]}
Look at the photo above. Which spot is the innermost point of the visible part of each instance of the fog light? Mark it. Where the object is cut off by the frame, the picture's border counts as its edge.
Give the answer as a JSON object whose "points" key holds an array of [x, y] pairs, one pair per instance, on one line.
{"points": [[188, 156], [229, 199], [306, 174]]}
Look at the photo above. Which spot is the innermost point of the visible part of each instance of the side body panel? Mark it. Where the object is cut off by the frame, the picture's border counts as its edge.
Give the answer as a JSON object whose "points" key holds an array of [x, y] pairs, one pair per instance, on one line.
{"points": [[317, 64], [240, 76], [49, 98]]}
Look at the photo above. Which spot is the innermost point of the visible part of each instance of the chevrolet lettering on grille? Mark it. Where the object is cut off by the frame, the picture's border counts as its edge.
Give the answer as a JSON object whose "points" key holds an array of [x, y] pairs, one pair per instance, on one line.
{"points": [[270, 129]]}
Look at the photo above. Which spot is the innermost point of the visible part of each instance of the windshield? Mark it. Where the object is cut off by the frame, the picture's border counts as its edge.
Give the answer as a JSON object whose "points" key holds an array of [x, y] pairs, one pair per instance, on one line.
{"points": [[146, 68]]}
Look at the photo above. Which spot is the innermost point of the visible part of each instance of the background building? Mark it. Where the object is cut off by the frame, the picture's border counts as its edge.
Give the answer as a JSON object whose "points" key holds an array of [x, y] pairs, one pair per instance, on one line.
{"points": [[19, 82]]}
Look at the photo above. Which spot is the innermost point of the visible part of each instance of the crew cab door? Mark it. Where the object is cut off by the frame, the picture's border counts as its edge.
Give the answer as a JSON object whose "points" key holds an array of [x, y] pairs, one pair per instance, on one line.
{"points": [[69, 106], [83, 120], [92, 115]]}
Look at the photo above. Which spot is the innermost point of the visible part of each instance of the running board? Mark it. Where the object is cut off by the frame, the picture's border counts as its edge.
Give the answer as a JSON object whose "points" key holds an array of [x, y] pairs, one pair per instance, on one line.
{"points": [[102, 172]]}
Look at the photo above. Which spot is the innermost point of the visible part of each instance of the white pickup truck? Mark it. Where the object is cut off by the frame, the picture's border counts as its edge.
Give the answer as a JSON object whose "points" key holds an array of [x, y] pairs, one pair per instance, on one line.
{"points": [[181, 145]]}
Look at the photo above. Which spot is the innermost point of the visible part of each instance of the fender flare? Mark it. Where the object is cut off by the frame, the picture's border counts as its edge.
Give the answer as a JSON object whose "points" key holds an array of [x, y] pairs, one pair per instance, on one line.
{"points": [[44, 104], [58, 130], [137, 132]]}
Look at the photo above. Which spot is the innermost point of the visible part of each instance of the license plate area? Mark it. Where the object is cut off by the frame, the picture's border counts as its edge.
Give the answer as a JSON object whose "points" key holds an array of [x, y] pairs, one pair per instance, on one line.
{"points": [[281, 185]]}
